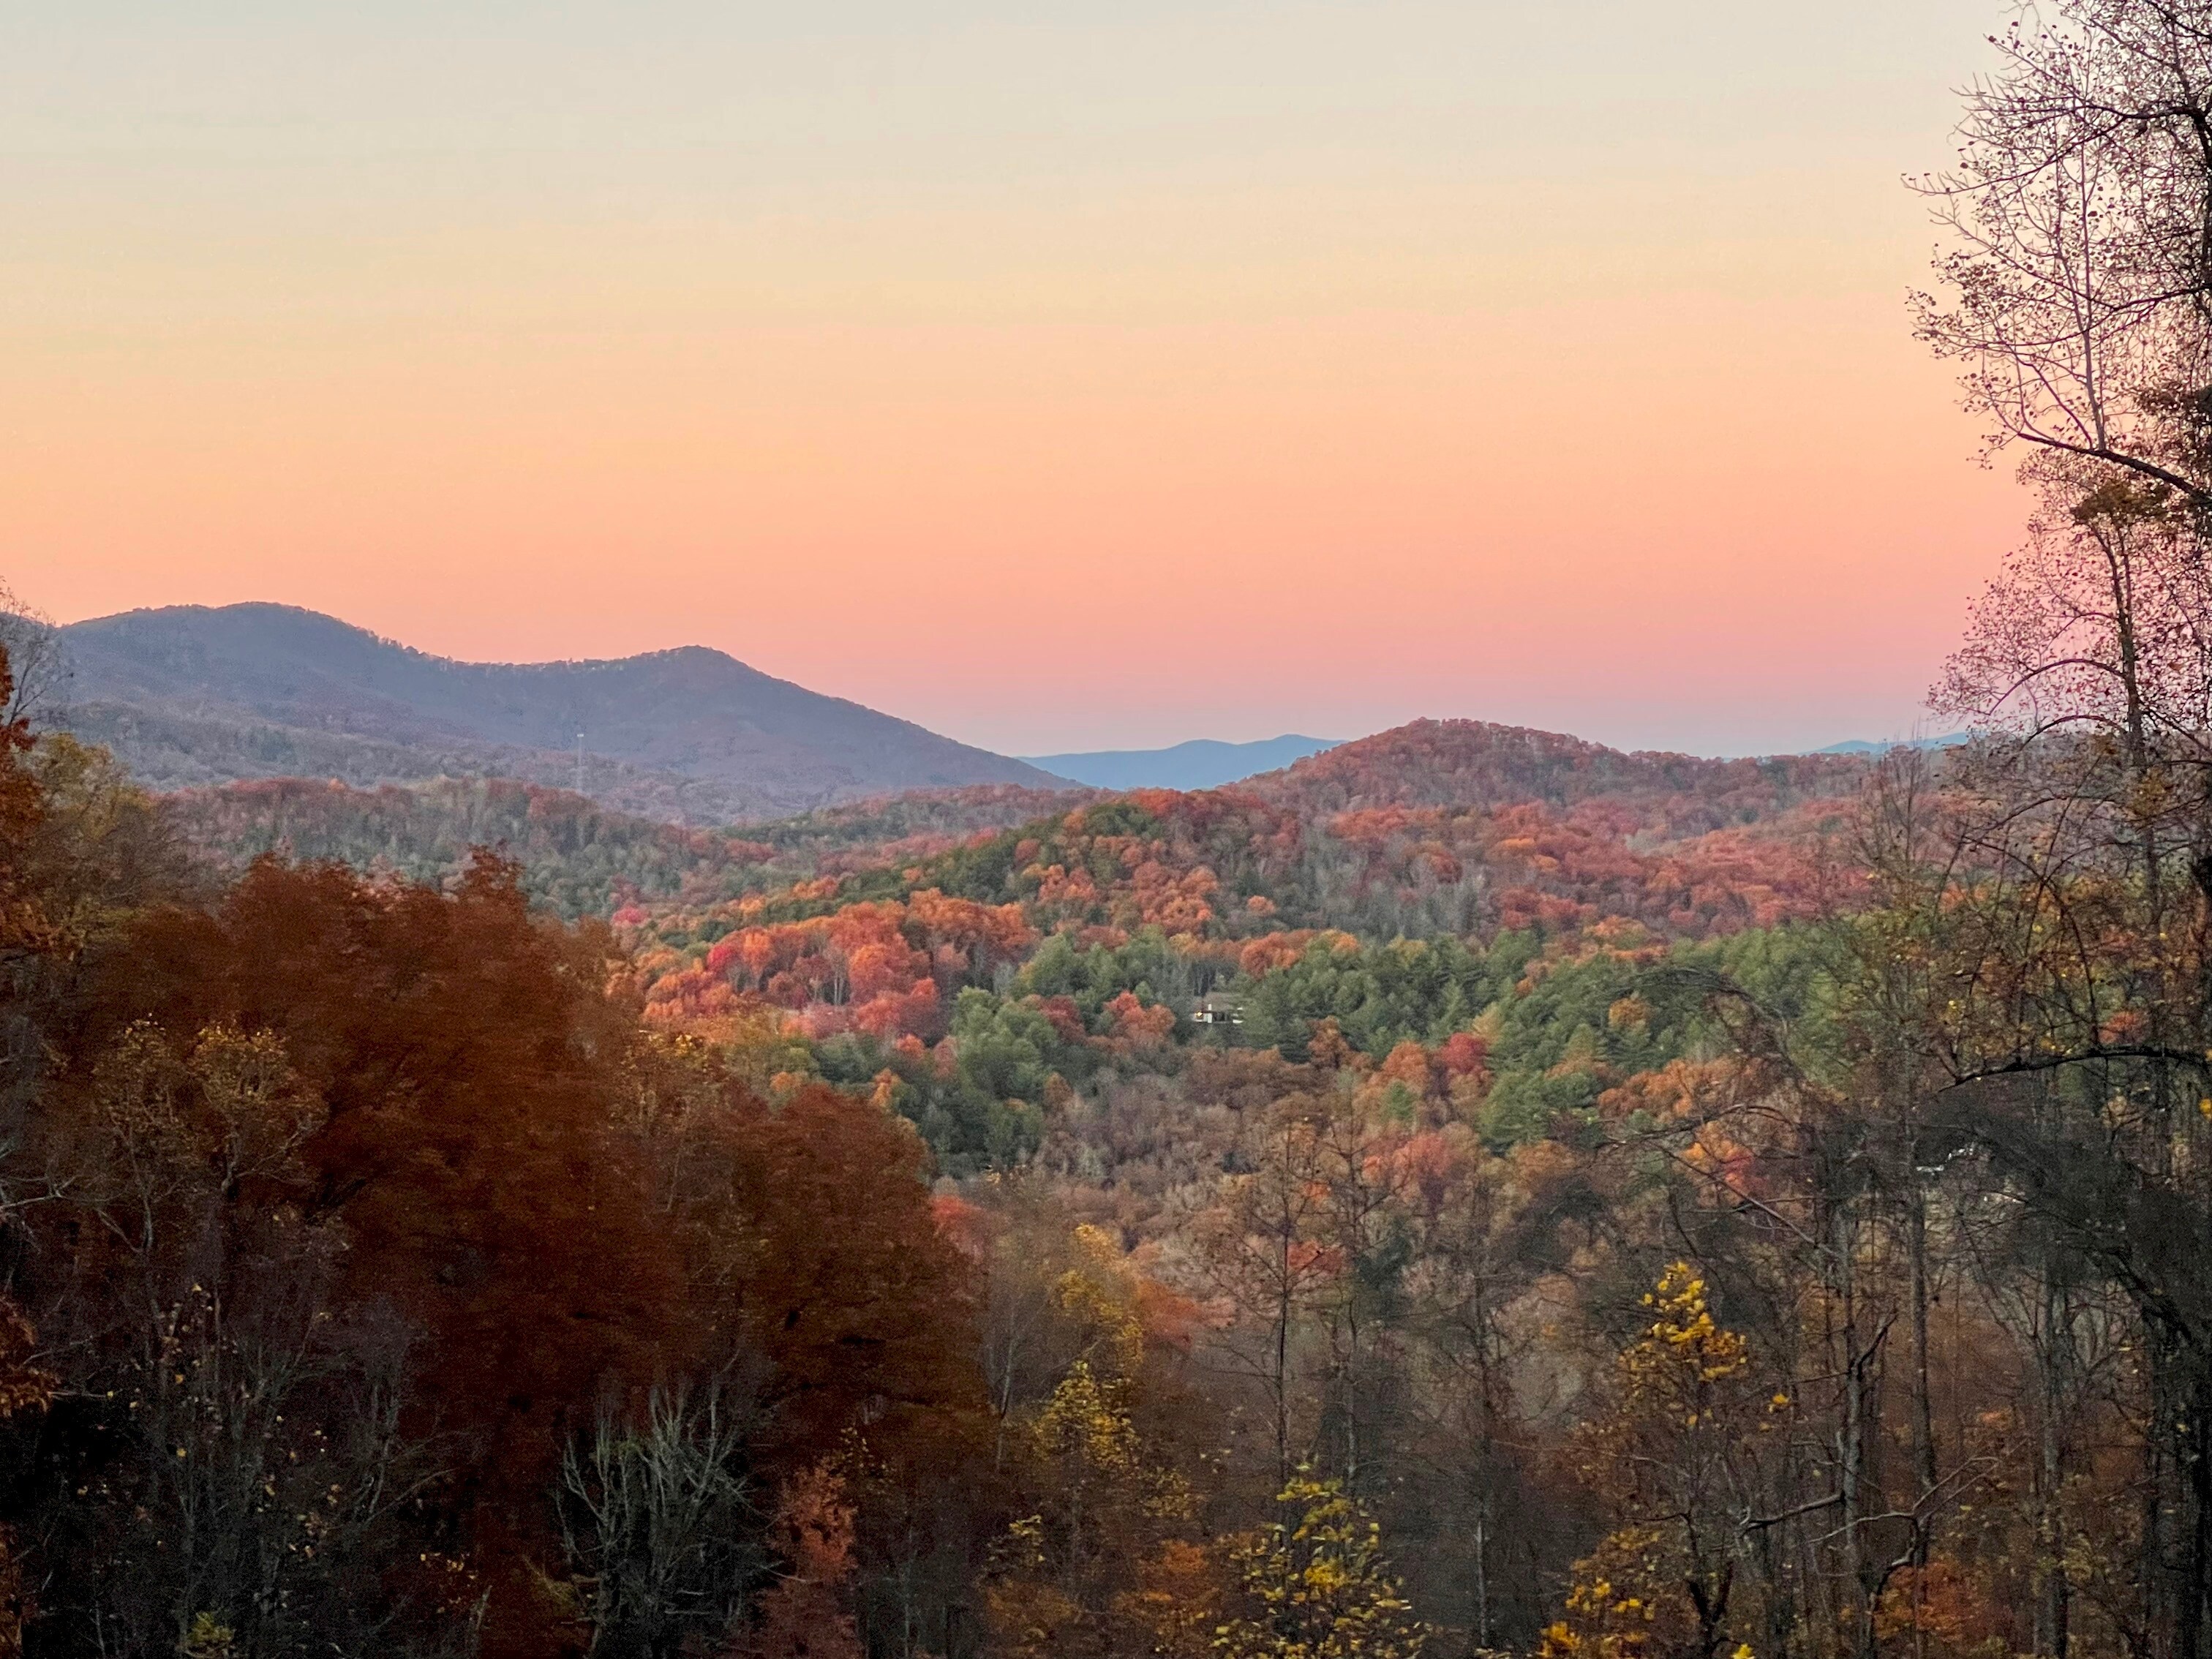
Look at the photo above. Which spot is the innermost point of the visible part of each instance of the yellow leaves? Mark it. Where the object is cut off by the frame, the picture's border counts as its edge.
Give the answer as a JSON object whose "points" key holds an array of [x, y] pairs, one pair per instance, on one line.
{"points": [[208, 1637], [1616, 1599], [1101, 1293], [1088, 1420], [247, 1084], [1317, 1587], [1025, 1546], [1685, 1335], [1687, 1404], [1103, 1491], [135, 1086], [229, 1101]]}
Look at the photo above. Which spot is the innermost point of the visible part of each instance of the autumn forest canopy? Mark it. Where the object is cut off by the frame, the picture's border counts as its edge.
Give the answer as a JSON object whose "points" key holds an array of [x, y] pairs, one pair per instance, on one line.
{"points": [[1473, 1192]]}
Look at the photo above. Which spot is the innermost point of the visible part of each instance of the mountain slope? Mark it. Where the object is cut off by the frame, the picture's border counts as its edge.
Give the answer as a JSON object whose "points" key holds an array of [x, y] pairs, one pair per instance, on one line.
{"points": [[1462, 764], [577, 858], [1440, 826], [193, 695], [1201, 764]]}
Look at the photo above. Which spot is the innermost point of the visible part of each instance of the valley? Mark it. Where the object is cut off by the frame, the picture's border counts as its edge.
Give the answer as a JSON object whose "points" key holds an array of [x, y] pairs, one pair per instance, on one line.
{"points": [[1479, 953]]}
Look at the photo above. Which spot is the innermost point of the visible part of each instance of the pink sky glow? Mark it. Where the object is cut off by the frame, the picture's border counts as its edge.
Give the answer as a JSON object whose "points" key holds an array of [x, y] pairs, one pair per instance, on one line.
{"points": [[1061, 378]]}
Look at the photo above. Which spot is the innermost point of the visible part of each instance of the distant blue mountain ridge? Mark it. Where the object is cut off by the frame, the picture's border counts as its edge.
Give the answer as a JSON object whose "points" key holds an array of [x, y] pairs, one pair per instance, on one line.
{"points": [[1201, 764], [1207, 763], [1861, 747]]}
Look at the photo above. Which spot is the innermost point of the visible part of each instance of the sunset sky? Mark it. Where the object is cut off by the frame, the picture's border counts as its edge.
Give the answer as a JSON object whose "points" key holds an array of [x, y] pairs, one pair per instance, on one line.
{"points": [[1057, 375]]}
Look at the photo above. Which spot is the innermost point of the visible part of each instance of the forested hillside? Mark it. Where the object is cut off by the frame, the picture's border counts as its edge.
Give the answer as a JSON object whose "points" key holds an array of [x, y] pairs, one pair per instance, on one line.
{"points": [[1448, 967], [191, 695], [1473, 763], [992, 1223], [1099, 1016], [1472, 1193], [575, 857]]}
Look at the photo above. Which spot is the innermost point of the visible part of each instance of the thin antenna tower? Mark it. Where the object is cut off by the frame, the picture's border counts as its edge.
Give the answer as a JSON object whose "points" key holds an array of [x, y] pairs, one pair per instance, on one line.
{"points": [[580, 762]]}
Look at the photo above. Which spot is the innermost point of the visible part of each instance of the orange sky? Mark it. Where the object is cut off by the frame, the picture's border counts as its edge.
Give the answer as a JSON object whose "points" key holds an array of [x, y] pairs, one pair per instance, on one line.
{"points": [[1057, 376]]}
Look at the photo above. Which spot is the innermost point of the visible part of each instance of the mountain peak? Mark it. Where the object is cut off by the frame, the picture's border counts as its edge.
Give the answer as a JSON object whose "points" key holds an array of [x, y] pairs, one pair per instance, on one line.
{"points": [[197, 695]]}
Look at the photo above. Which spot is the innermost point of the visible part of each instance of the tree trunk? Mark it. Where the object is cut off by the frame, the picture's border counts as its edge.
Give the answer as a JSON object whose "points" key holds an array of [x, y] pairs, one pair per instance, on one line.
{"points": [[1923, 1404], [2054, 1605]]}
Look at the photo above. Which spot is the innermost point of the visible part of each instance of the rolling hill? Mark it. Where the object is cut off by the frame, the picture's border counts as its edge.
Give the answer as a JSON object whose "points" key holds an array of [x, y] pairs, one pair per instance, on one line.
{"points": [[577, 857], [1462, 764], [1439, 827], [190, 696]]}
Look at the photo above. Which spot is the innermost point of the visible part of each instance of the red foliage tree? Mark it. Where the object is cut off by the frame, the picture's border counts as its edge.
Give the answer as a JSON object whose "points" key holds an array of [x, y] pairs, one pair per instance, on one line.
{"points": [[472, 1068]]}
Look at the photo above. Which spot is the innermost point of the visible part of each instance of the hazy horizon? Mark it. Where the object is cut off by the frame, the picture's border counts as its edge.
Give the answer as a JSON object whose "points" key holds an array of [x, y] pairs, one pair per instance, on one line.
{"points": [[1312, 368], [1192, 738]]}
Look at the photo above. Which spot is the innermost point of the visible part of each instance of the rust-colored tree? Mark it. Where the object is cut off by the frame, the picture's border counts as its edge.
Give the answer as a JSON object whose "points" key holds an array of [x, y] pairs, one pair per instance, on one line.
{"points": [[803, 1615]]}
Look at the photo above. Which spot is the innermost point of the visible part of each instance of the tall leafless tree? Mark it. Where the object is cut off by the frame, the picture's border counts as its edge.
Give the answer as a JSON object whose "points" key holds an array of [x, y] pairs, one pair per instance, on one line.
{"points": [[2078, 282]]}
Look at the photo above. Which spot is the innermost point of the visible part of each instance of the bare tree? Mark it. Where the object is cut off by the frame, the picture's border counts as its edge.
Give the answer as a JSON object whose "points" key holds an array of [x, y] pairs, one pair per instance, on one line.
{"points": [[2100, 625], [1259, 1251], [2080, 213], [35, 656], [657, 1521], [2063, 946]]}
